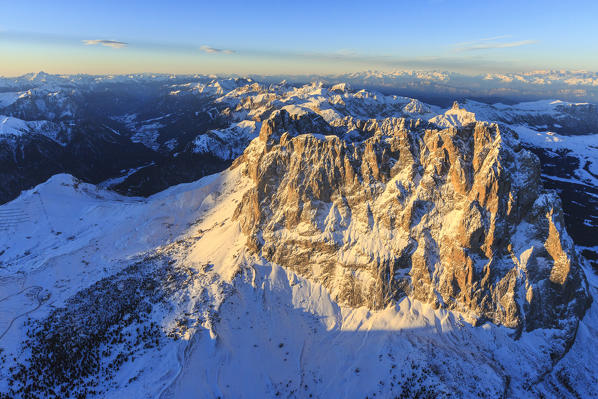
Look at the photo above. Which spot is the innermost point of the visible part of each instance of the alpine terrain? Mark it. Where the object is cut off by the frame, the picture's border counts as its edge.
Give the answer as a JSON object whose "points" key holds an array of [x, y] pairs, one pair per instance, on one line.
{"points": [[178, 236]]}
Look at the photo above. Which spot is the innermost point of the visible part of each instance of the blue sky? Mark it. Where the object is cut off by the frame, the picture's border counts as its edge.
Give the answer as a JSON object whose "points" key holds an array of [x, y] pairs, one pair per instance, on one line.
{"points": [[295, 37]]}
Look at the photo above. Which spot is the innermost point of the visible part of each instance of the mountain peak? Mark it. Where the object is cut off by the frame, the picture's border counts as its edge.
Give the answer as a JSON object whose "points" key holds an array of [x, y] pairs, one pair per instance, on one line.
{"points": [[439, 221]]}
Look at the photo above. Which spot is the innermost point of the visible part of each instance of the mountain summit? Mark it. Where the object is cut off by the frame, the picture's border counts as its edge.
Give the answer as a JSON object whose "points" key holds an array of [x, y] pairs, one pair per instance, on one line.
{"points": [[456, 217]]}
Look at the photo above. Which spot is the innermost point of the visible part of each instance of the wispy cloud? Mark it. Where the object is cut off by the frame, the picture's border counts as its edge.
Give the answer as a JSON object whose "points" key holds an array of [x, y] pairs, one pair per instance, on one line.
{"points": [[487, 39], [491, 43], [212, 50], [107, 43], [345, 52]]}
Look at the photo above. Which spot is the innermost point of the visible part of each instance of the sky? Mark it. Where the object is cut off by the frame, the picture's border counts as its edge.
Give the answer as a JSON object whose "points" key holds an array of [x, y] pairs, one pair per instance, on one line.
{"points": [[296, 37]]}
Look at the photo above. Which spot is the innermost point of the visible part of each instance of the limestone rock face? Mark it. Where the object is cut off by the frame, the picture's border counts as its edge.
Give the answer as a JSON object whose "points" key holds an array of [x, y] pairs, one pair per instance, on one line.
{"points": [[455, 217]]}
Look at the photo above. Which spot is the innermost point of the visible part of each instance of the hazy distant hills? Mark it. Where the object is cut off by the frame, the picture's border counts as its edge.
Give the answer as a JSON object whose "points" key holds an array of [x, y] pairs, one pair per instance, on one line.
{"points": [[443, 87]]}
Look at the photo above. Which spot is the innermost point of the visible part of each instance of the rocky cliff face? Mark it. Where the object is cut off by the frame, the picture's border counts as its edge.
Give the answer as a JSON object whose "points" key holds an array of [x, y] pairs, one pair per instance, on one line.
{"points": [[455, 217]]}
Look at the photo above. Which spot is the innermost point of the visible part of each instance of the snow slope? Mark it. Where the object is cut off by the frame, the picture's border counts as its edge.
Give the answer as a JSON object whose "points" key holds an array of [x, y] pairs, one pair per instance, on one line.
{"points": [[12, 126], [8, 98], [64, 237], [455, 116], [227, 143]]}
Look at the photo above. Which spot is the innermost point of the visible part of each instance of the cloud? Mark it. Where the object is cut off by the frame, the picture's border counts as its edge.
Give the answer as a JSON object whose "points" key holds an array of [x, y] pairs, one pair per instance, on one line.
{"points": [[487, 39], [212, 50], [107, 43], [491, 43], [345, 52]]}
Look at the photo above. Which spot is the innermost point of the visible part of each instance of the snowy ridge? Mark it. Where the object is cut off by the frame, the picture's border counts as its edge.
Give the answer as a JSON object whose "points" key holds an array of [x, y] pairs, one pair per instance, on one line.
{"points": [[454, 117], [227, 143], [11, 128]]}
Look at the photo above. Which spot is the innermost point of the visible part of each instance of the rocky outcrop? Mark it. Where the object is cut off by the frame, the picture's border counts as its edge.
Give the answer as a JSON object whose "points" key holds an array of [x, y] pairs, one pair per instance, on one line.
{"points": [[455, 217]]}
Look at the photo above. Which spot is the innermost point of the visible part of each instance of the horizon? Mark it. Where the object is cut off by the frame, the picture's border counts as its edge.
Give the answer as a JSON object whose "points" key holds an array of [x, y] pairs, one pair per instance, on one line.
{"points": [[434, 87], [331, 74], [268, 38]]}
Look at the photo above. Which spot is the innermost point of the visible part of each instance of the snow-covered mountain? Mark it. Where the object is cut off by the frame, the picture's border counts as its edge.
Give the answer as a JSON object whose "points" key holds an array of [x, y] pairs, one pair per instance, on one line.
{"points": [[528, 86], [327, 241], [161, 297], [201, 122]]}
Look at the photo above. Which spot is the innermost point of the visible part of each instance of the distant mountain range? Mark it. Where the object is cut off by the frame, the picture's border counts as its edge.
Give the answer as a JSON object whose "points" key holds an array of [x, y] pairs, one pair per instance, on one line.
{"points": [[443, 87]]}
